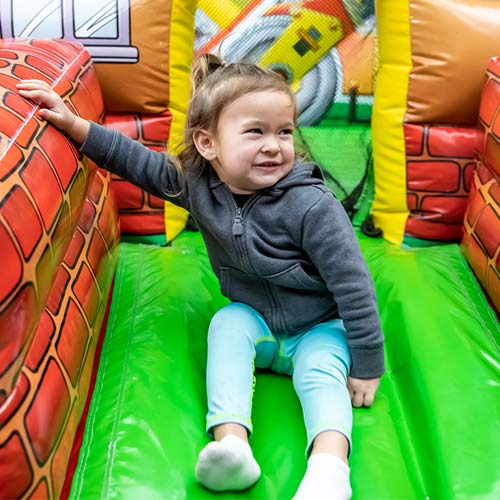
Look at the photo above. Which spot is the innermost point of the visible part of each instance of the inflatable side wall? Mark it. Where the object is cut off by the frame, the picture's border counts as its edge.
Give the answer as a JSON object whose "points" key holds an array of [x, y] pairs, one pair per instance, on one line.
{"points": [[481, 240], [58, 240], [142, 50], [433, 57]]}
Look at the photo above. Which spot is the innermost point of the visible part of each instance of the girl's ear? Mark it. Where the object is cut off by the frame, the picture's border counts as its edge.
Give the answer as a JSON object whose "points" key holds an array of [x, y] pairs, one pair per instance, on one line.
{"points": [[205, 144]]}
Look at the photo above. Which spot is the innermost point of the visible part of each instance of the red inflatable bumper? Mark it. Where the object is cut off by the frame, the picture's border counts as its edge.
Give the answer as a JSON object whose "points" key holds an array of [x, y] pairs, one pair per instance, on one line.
{"points": [[58, 240]]}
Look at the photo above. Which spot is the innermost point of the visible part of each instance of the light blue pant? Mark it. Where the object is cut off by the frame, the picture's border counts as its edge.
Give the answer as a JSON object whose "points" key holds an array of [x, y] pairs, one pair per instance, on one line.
{"points": [[318, 359]]}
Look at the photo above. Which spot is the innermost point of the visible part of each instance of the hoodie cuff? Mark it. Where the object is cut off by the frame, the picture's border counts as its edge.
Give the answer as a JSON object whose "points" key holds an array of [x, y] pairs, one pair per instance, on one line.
{"points": [[98, 143], [367, 362]]}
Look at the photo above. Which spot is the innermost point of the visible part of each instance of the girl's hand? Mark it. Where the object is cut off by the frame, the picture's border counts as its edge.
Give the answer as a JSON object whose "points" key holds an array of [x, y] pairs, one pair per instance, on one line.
{"points": [[53, 109], [362, 391]]}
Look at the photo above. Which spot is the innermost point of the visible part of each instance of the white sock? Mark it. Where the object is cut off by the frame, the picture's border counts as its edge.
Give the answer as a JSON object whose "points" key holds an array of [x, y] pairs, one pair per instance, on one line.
{"points": [[227, 464], [326, 478]]}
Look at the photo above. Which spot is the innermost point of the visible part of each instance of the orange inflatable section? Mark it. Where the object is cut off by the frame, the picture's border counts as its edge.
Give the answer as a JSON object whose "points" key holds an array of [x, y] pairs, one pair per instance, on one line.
{"points": [[444, 90], [481, 240], [58, 236], [433, 57]]}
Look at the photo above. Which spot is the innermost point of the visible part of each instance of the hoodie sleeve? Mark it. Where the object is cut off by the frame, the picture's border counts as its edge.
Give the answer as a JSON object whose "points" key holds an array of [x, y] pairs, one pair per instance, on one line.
{"points": [[153, 171], [330, 242]]}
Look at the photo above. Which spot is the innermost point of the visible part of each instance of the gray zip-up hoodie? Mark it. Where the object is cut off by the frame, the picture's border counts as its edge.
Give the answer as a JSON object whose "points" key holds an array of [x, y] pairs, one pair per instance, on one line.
{"points": [[290, 252]]}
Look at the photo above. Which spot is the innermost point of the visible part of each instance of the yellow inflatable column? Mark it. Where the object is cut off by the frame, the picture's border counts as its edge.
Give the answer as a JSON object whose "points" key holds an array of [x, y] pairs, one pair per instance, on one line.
{"points": [[389, 206], [181, 43]]}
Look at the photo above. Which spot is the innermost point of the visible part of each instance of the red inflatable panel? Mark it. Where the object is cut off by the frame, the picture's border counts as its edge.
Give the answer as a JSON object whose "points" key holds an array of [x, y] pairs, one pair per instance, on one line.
{"points": [[489, 118], [481, 240], [58, 240], [439, 172], [140, 212]]}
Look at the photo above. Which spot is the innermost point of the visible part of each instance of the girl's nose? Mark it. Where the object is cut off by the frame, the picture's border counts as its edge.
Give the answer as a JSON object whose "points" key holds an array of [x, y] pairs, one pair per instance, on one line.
{"points": [[270, 145]]}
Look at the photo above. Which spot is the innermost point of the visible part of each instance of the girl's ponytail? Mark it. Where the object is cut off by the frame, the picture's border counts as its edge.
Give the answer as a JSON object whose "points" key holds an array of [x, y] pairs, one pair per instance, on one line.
{"points": [[203, 66]]}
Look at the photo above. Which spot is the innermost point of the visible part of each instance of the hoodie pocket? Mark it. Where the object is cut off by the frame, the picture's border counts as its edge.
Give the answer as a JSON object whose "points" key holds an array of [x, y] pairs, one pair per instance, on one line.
{"points": [[295, 277], [239, 286]]}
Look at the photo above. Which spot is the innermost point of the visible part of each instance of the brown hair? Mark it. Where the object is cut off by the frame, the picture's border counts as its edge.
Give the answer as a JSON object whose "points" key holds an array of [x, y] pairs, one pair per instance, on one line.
{"points": [[214, 85]]}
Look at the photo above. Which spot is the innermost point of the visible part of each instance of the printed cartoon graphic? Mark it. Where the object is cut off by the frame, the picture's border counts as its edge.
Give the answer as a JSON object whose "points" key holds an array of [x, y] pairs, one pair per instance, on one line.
{"points": [[103, 27], [310, 42]]}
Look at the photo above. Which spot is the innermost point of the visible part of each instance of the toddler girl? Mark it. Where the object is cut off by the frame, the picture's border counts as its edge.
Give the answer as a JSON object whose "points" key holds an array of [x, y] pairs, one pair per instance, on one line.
{"points": [[302, 300]]}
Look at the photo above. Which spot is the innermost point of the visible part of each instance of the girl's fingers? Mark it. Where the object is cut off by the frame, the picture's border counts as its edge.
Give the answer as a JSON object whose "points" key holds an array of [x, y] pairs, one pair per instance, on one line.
{"points": [[357, 399], [351, 392], [33, 86], [368, 399], [49, 115], [39, 96], [38, 83]]}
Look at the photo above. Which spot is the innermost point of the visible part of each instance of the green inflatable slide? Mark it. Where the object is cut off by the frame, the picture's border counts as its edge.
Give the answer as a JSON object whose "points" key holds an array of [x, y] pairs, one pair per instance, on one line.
{"points": [[432, 433]]}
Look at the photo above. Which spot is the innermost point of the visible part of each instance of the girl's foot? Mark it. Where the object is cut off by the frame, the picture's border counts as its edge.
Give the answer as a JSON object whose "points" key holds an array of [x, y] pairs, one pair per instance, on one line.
{"points": [[327, 478], [227, 464]]}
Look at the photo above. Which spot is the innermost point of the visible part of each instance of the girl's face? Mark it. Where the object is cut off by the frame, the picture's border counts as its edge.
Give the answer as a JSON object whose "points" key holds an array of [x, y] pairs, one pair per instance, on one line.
{"points": [[252, 147]]}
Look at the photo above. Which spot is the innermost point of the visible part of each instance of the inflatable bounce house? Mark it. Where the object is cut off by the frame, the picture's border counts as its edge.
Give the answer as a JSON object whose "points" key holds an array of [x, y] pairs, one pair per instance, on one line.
{"points": [[106, 292]]}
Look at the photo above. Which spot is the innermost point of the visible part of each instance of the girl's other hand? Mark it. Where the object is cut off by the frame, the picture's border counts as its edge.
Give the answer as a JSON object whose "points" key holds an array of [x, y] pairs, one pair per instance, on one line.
{"points": [[362, 391], [53, 108]]}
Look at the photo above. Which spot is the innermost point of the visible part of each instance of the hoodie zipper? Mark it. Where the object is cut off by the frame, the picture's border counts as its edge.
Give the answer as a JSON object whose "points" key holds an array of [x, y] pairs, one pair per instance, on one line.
{"points": [[238, 219], [237, 229]]}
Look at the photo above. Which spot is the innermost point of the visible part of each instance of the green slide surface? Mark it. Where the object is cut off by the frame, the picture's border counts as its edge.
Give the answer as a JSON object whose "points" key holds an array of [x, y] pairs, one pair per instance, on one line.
{"points": [[433, 431]]}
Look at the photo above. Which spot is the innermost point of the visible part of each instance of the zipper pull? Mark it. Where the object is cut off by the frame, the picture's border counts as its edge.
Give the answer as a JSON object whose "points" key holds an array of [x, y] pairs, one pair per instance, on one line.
{"points": [[237, 225]]}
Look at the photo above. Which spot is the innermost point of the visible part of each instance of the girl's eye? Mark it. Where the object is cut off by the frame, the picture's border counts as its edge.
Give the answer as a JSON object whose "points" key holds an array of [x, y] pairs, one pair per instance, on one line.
{"points": [[254, 131], [287, 131]]}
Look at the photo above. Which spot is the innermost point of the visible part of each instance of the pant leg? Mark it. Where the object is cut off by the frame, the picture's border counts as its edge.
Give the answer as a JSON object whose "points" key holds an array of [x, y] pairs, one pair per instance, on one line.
{"points": [[321, 366], [238, 340]]}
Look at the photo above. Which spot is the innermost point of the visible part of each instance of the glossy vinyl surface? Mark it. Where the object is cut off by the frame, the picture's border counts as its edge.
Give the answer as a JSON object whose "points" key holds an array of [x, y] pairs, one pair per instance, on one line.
{"points": [[433, 430]]}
